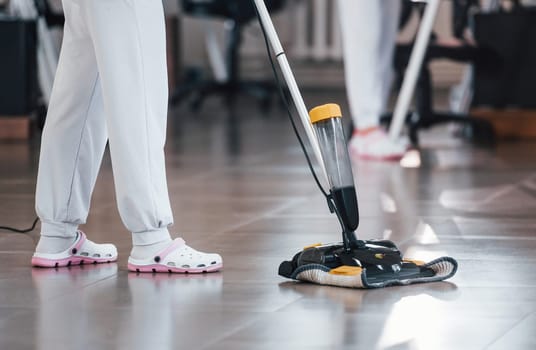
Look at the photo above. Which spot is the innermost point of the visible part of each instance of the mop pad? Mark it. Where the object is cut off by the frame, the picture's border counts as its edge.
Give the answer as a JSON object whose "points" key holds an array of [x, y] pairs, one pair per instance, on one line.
{"points": [[374, 264]]}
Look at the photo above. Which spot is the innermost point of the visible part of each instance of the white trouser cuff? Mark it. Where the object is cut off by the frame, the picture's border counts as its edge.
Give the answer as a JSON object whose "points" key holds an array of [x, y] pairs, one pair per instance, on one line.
{"points": [[150, 237], [58, 229]]}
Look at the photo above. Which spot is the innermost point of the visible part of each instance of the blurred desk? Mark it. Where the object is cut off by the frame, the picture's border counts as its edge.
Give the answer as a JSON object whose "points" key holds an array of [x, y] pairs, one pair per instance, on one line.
{"points": [[18, 82]]}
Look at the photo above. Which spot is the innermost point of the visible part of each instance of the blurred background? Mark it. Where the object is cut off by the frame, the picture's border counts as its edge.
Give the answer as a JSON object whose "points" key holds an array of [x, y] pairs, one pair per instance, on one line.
{"points": [[239, 185], [198, 48]]}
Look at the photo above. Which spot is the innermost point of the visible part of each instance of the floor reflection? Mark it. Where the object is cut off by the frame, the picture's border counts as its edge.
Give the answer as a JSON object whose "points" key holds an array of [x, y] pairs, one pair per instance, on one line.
{"points": [[510, 199], [68, 297], [161, 303], [136, 311], [258, 207], [401, 316]]}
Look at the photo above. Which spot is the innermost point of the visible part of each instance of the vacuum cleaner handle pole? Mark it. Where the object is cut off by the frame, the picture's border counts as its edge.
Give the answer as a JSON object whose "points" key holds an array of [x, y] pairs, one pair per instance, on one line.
{"points": [[414, 68], [291, 82]]}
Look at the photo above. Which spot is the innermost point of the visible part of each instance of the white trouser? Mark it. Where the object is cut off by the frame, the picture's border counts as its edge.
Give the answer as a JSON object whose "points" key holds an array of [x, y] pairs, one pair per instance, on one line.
{"points": [[111, 85], [369, 31]]}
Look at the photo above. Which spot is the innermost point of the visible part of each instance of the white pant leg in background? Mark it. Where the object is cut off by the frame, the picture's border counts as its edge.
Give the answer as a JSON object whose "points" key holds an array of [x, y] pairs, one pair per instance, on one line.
{"points": [[369, 31], [111, 84]]}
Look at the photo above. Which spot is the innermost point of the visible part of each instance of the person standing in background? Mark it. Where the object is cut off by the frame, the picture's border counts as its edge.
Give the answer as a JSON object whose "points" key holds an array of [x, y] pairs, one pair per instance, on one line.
{"points": [[369, 31]]}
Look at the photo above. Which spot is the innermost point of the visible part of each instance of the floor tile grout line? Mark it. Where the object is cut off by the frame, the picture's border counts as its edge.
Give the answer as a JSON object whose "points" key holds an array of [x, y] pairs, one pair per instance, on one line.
{"points": [[259, 159], [239, 328], [487, 237], [85, 286], [509, 330], [236, 329], [255, 218]]}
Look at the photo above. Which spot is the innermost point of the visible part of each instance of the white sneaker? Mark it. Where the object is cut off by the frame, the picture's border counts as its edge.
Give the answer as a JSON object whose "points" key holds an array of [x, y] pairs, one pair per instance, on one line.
{"points": [[375, 144]]}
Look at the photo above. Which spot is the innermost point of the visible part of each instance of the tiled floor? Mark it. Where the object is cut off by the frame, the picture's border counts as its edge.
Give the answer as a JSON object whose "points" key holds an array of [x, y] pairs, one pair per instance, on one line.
{"points": [[254, 201]]}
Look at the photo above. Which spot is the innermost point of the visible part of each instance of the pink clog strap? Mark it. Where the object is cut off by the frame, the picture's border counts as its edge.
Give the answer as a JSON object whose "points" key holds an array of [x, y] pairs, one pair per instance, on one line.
{"points": [[177, 242]]}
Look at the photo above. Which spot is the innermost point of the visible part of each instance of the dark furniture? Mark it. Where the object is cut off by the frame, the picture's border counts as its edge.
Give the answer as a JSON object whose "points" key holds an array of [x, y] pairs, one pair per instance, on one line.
{"points": [[511, 37], [18, 62], [424, 116], [237, 13], [53, 19]]}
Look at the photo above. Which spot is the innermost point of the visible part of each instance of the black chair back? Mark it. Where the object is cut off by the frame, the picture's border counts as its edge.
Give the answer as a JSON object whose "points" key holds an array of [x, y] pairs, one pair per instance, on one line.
{"points": [[238, 10]]}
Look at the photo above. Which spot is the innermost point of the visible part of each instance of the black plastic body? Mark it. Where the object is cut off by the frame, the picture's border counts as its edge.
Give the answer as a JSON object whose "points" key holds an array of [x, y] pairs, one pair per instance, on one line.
{"points": [[345, 200], [510, 37], [18, 62]]}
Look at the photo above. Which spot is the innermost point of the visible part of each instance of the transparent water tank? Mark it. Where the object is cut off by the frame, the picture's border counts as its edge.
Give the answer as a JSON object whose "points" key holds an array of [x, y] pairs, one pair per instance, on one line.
{"points": [[327, 122]]}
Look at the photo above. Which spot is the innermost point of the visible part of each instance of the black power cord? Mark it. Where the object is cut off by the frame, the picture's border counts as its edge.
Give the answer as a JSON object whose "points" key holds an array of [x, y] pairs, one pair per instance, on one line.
{"points": [[12, 229]]}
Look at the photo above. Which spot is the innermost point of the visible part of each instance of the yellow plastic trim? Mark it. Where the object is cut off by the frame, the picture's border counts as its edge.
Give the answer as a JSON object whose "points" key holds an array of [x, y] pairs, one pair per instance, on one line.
{"points": [[416, 262], [346, 270], [312, 246], [327, 111]]}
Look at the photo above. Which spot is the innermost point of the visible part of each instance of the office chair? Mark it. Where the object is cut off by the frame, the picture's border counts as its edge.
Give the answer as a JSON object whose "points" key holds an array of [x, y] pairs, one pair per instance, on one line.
{"points": [[237, 13], [53, 19], [424, 116]]}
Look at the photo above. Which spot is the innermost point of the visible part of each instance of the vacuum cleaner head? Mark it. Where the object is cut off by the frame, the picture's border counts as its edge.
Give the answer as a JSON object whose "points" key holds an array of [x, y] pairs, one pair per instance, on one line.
{"points": [[353, 263], [369, 264]]}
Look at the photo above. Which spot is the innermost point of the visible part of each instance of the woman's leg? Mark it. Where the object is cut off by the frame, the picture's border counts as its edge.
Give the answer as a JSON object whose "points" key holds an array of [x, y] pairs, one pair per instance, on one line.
{"points": [[129, 41], [362, 24], [73, 139], [369, 30]]}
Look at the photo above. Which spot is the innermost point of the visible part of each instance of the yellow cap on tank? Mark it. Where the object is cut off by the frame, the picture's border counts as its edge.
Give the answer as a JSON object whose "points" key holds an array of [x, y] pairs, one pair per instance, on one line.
{"points": [[327, 111]]}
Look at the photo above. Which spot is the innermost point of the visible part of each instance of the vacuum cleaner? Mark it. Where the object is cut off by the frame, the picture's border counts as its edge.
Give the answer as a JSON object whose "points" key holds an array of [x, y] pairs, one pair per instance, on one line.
{"points": [[352, 263]]}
